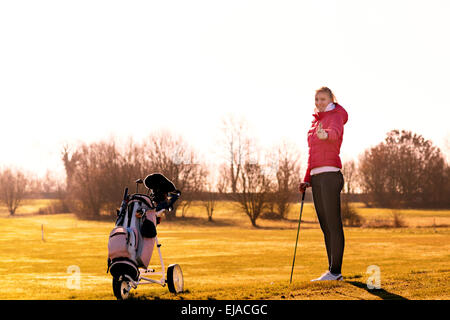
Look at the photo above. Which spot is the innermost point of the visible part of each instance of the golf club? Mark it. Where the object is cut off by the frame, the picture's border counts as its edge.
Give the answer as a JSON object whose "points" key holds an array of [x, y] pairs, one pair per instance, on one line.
{"points": [[298, 231]]}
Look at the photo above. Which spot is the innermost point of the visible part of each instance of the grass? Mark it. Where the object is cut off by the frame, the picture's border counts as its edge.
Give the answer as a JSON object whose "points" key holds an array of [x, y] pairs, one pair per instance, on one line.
{"points": [[229, 259]]}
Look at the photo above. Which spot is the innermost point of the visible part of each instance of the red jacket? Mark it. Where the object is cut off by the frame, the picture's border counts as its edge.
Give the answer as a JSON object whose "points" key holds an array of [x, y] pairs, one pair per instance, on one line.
{"points": [[326, 152]]}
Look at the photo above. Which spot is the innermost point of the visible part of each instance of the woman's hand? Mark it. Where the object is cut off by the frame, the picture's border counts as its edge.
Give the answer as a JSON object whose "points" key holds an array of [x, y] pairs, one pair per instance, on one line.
{"points": [[302, 187], [321, 134]]}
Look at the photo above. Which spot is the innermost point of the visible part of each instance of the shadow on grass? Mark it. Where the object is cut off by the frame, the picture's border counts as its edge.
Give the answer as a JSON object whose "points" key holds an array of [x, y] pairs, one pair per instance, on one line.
{"points": [[220, 222], [286, 224], [258, 227], [383, 294], [296, 221], [200, 222], [154, 296]]}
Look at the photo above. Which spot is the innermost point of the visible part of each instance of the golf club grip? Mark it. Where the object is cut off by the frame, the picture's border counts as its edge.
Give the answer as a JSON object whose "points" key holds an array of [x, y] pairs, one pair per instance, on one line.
{"points": [[125, 194]]}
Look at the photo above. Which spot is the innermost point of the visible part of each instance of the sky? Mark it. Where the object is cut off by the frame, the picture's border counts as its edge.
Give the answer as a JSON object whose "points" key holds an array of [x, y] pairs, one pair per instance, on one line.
{"points": [[85, 71]]}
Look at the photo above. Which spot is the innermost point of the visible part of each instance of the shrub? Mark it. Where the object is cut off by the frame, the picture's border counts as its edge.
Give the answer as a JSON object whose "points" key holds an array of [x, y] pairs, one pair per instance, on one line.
{"points": [[349, 215], [397, 220]]}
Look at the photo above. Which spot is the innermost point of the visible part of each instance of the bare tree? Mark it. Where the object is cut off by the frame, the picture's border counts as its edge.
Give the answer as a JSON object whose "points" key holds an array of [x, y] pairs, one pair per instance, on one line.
{"points": [[209, 199], [13, 187], [254, 184], [223, 181], [285, 164], [235, 139], [86, 187], [94, 178], [173, 157], [197, 175], [248, 179], [372, 172], [134, 163], [253, 190], [69, 158], [49, 183], [349, 171], [97, 173]]}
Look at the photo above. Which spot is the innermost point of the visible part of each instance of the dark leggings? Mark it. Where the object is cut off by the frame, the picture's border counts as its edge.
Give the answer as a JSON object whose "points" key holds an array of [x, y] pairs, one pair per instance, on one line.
{"points": [[326, 190]]}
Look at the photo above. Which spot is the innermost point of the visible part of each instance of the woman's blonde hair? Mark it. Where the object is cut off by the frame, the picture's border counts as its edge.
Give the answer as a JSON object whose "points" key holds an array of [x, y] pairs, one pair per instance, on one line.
{"points": [[327, 91]]}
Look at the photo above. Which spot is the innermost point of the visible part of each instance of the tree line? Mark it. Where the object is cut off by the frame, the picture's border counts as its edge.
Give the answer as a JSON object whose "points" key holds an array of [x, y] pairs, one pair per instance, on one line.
{"points": [[404, 170]]}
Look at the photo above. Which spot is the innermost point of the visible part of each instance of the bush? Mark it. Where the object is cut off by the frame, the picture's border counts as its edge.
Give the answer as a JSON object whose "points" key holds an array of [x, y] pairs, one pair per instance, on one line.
{"points": [[397, 220], [349, 215], [270, 215], [54, 208]]}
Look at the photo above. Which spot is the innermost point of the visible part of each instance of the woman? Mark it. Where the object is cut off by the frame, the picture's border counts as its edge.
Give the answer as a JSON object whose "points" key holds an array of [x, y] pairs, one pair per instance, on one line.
{"points": [[324, 176]]}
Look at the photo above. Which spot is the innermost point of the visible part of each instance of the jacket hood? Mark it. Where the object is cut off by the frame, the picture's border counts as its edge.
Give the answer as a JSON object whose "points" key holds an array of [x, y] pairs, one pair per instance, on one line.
{"points": [[338, 109]]}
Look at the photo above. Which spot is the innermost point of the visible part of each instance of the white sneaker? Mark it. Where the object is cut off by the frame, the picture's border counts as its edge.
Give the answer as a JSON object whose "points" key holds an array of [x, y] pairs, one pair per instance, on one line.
{"points": [[329, 276]]}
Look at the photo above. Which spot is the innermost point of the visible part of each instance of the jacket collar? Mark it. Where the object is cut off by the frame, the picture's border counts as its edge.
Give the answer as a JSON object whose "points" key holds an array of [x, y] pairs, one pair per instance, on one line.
{"points": [[319, 115]]}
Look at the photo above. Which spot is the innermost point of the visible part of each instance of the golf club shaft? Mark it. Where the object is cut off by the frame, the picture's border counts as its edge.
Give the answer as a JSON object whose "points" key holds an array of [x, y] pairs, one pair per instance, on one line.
{"points": [[298, 231]]}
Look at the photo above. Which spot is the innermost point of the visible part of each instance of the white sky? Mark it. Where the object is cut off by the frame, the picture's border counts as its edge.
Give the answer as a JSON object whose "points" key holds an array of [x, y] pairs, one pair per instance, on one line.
{"points": [[74, 71]]}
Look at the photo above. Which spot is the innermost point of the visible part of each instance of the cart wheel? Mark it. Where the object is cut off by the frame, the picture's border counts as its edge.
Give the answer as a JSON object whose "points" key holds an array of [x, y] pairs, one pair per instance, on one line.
{"points": [[121, 288], [175, 280]]}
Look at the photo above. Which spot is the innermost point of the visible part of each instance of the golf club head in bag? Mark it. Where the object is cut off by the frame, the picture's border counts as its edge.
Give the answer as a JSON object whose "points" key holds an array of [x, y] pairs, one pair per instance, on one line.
{"points": [[161, 188]]}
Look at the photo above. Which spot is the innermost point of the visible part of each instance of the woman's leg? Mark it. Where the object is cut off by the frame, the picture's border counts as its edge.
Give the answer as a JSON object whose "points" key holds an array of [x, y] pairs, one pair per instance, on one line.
{"points": [[332, 204], [316, 186], [328, 209]]}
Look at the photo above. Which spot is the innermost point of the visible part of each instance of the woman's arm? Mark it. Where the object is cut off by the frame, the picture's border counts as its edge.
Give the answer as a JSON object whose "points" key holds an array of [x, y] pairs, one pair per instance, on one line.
{"points": [[307, 177], [335, 127]]}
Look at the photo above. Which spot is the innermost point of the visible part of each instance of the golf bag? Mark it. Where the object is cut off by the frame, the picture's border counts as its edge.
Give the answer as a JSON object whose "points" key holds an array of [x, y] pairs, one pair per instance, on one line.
{"points": [[132, 240]]}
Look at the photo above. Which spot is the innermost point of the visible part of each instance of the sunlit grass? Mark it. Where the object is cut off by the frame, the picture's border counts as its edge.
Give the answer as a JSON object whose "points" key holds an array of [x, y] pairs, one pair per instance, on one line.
{"points": [[226, 259]]}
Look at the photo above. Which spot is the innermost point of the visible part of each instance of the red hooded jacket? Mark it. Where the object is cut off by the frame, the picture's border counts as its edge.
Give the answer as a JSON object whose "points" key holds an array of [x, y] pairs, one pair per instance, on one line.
{"points": [[326, 152]]}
